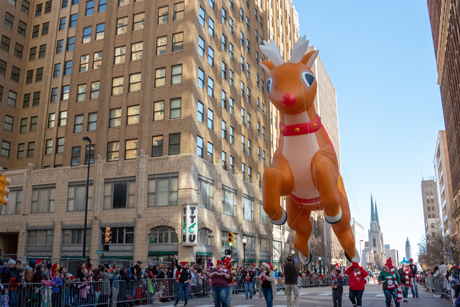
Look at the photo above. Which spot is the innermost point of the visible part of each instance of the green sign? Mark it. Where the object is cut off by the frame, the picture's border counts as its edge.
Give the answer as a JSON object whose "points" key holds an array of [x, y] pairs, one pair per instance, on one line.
{"points": [[99, 252]]}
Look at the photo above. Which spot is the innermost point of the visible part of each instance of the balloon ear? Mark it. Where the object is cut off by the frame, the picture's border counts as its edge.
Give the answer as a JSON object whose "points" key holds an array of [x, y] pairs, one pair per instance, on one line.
{"points": [[267, 66], [309, 58]]}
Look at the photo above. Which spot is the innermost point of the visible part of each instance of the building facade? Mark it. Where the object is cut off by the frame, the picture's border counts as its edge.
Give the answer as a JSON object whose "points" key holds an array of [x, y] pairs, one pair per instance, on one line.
{"points": [[359, 233], [450, 216], [445, 27], [408, 249], [175, 106], [430, 207], [393, 254]]}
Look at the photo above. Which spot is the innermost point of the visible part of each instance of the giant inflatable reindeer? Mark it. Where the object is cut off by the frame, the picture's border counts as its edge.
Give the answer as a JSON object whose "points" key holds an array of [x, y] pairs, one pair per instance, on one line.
{"points": [[304, 167]]}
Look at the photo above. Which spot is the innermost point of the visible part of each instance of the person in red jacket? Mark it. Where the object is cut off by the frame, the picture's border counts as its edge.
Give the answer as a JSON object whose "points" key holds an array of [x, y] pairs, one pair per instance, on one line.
{"points": [[357, 283]]}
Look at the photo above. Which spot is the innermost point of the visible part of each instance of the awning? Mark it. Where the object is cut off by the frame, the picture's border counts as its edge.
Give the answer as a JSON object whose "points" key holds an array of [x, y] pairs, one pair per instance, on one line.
{"points": [[249, 260], [162, 253], [203, 254], [118, 257], [276, 261], [263, 260]]}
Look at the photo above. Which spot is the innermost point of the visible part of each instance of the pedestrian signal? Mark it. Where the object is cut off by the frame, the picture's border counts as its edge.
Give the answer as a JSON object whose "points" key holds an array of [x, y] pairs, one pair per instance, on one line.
{"points": [[4, 191], [230, 239]]}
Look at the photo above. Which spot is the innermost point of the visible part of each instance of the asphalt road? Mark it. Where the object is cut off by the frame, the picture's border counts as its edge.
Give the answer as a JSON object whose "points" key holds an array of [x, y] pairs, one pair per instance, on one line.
{"points": [[321, 296]]}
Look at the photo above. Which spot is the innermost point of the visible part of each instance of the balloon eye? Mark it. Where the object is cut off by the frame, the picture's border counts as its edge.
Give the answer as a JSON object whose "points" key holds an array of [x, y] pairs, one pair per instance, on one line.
{"points": [[308, 78], [269, 85]]}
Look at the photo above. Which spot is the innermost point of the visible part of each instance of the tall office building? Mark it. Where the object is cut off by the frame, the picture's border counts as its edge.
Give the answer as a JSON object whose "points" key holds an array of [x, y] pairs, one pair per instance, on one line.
{"points": [[430, 207], [408, 250], [450, 216], [445, 27], [173, 99]]}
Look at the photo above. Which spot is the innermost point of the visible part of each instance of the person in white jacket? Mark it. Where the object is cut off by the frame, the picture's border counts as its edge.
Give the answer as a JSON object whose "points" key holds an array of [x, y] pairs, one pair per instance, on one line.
{"points": [[267, 286]]}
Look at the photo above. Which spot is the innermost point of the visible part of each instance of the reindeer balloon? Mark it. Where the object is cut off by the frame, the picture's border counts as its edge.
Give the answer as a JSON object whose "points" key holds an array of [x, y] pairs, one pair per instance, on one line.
{"points": [[304, 167]]}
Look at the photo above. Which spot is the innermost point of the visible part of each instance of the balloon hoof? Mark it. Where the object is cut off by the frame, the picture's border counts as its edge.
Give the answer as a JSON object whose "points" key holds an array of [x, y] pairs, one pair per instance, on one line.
{"points": [[333, 219], [306, 260], [282, 220], [356, 258]]}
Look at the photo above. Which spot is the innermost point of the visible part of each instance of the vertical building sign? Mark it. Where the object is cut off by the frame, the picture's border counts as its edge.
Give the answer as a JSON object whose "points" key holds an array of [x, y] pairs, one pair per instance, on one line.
{"points": [[190, 225]]}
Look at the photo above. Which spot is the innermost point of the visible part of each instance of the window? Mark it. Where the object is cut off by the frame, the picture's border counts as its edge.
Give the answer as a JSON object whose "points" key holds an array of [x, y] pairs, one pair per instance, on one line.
{"points": [[73, 20], [163, 190], [263, 157], [117, 86], [162, 15], [175, 108], [49, 147], [9, 19], [100, 31], [84, 63], [22, 26], [2, 69], [119, 194], [224, 160], [120, 53], [57, 69], [178, 42], [200, 78], [243, 143], [160, 77], [70, 43], [115, 118], [176, 74], [210, 87], [131, 149], [231, 136], [202, 16], [263, 133], [174, 144], [90, 153], [97, 60], [249, 148], [211, 27], [102, 6], [42, 199], [121, 235], [33, 123], [163, 235], [12, 96], [200, 113], [75, 236], [45, 28], [35, 31], [15, 73], [179, 10], [211, 3], [230, 24], [40, 237], [206, 193], [232, 165], [224, 71], [94, 94], [157, 146], [224, 15], [78, 124], [138, 21], [199, 146], [122, 25], [89, 8], [113, 151], [210, 56], [48, 6], [210, 119], [210, 152], [224, 100], [230, 78], [8, 123], [92, 122], [62, 118], [242, 116], [59, 46], [248, 209], [133, 115], [134, 82], [158, 110], [51, 120], [54, 94], [30, 149], [25, 7], [224, 130], [249, 174], [122, 3], [6, 148], [21, 149], [68, 67], [36, 99], [162, 43], [60, 145], [12, 2], [86, 35]]}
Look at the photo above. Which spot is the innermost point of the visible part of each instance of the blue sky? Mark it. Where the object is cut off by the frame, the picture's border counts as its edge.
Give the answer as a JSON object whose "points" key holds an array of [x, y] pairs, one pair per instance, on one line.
{"points": [[380, 57]]}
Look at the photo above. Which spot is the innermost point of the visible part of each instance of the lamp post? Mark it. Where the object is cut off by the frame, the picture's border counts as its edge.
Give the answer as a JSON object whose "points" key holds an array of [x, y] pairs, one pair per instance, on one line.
{"points": [[86, 139], [319, 260], [245, 241]]}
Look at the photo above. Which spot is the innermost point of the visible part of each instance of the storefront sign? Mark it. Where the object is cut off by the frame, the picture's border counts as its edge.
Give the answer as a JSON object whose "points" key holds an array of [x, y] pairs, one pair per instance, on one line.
{"points": [[190, 226]]}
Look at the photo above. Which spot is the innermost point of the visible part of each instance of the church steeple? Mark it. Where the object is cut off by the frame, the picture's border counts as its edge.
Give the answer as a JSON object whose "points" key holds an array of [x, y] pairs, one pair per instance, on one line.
{"points": [[372, 210], [377, 215]]}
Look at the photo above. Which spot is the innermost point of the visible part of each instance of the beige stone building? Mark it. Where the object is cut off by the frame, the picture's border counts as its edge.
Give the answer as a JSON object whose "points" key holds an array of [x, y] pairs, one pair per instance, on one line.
{"points": [[430, 207], [172, 97], [449, 213]]}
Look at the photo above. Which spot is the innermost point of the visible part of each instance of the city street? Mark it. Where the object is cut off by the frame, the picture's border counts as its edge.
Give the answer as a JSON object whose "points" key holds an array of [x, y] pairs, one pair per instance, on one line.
{"points": [[322, 296]]}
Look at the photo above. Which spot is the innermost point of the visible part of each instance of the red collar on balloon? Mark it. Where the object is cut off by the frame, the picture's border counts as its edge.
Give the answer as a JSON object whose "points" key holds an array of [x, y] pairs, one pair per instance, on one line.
{"points": [[300, 129]]}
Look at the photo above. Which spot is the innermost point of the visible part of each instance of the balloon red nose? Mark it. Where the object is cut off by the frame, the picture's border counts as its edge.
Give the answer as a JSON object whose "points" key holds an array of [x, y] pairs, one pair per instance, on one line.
{"points": [[288, 99]]}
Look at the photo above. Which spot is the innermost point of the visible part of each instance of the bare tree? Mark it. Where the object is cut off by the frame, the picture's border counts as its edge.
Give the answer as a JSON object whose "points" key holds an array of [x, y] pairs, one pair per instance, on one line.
{"points": [[432, 249]]}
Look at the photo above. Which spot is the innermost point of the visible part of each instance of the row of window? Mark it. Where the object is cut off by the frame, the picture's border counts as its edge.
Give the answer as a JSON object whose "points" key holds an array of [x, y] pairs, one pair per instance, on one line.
{"points": [[25, 5]]}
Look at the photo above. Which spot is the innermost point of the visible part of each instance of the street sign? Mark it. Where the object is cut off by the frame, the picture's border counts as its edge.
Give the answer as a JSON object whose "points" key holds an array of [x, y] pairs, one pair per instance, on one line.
{"points": [[99, 252]]}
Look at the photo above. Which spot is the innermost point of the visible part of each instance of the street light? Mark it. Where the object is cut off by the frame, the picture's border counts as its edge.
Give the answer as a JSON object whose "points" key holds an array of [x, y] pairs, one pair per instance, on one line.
{"points": [[86, 139], [245, 241], [319, 260]]}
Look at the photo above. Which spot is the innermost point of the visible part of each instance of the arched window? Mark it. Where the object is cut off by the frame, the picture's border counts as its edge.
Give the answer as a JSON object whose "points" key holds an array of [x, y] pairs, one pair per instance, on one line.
{"points": [[163, 234], [373, 242], [205, 237]]}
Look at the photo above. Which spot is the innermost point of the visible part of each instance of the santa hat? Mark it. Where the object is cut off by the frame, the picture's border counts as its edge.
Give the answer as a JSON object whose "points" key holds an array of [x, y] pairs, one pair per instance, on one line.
{"points": [[253, 265], [411, 259], [267, 265], [183, 263], [389, 263], [337, 265], [220, 262], [227, 262], [72, 277], [355, 265]]}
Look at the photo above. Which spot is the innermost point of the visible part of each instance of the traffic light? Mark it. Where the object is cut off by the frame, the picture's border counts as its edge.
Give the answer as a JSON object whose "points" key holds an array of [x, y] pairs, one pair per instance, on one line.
{"points": [[4, 191], [108, 235], [230, 239]]}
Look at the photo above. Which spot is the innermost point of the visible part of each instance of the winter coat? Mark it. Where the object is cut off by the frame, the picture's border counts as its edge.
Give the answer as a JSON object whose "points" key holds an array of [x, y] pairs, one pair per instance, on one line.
{"points": [[106, 277], [357, 281], [271, 278]]}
